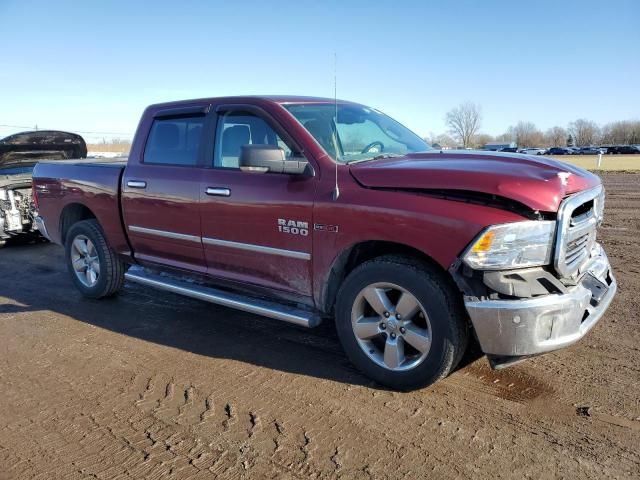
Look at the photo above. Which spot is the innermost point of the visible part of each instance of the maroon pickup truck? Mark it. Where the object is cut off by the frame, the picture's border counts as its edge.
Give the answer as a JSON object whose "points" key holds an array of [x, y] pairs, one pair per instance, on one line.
{"points": [[303, 208]]}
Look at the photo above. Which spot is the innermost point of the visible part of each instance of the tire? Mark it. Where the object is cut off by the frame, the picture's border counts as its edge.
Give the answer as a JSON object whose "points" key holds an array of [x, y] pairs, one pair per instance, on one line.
{"points": [[109, 269], [440, 316]]}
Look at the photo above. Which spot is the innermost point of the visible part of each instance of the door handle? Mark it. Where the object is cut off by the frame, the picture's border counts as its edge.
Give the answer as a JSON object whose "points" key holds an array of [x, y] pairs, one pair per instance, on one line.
{"points": [[218, 191], [136, 184]]}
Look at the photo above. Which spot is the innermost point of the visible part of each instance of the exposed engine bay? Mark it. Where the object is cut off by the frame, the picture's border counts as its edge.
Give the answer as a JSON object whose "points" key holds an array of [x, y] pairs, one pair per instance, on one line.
{"points": [[19, 153], [16, 206]]}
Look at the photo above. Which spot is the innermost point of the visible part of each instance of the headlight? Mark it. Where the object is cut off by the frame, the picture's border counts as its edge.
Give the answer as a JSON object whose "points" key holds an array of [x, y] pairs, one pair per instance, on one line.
{"points": [[512, 245]]}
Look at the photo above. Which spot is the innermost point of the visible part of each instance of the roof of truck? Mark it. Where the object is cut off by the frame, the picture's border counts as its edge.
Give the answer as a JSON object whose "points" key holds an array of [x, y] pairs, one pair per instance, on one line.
{"points": [[270, 98]]}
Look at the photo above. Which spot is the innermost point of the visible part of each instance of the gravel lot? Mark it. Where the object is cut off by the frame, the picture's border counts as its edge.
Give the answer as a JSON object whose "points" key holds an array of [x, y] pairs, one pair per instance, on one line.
{"points": [[151, 385]]}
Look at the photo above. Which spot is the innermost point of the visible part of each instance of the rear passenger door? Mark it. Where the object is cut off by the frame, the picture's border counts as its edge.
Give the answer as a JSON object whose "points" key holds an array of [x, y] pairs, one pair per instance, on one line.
{"points": [[161, 192], [256, 227]]}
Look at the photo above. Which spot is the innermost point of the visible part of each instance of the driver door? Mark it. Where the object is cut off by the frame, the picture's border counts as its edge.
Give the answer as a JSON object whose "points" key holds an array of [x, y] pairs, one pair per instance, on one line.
{"points": [[256, 227]]}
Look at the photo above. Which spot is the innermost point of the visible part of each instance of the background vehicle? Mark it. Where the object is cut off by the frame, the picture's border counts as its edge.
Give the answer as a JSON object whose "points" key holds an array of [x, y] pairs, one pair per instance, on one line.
{"points": [[283, 207], [18, 155], [498, 146], [591, 150], [558, 151], [624, 149], [509, 150], [533, 151]]}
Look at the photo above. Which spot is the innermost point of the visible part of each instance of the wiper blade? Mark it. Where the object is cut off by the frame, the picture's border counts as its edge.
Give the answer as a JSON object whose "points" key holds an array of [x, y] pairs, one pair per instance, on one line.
{"points": [[377, 157]]}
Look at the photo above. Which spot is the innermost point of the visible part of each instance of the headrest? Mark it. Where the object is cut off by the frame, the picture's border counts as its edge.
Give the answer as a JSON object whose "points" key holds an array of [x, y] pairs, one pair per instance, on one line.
{"points": [[193, 137], [168, 135], [319, 129], [233, 138]]}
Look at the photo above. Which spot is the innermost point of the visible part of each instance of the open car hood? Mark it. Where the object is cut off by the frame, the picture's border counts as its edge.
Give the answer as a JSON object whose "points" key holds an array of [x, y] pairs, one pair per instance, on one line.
{"points": [[27, 148], [538, 183]]}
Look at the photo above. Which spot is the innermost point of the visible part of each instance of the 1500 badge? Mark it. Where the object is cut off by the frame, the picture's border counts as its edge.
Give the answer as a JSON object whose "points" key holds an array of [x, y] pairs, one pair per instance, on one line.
{"points": [[294, 227]]}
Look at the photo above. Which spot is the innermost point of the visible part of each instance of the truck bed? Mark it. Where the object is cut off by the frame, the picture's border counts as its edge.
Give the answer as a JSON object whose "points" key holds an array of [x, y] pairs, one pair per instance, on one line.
{"points": [[85, 187]]}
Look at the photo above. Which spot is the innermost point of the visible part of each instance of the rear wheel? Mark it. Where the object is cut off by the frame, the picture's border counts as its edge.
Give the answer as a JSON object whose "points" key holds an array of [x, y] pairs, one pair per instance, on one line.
{"points": [[400, 322], [95, 269]]}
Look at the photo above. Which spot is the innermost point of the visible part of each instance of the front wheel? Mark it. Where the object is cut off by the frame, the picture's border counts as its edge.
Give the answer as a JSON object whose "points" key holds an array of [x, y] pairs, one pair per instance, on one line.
{"points": [[95, 269], [400, 322]]}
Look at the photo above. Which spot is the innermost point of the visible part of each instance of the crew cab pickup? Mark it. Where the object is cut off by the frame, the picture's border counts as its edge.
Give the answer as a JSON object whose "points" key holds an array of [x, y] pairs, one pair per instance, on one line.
{"points": [[303, 209]]}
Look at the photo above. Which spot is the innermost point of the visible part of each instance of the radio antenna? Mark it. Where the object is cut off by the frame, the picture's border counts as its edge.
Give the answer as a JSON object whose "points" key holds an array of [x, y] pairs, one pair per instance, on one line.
{"points": [[336, 191]]}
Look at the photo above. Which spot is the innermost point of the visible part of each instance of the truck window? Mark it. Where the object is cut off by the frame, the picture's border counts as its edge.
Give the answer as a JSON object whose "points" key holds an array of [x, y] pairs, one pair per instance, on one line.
{"points": [[236, 129], [174, 141]]}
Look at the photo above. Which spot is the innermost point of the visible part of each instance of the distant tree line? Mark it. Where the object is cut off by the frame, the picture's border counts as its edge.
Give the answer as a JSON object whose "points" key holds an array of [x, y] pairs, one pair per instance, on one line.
{"points": [[464, 122]]}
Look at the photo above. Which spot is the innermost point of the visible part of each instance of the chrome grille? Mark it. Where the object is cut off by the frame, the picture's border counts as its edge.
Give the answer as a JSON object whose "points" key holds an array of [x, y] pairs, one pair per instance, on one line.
{"points": [[578, 219]]}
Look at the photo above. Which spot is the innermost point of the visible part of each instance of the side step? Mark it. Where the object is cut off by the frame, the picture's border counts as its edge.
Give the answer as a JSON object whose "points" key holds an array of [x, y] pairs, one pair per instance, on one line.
{"points": [[265, 308]]}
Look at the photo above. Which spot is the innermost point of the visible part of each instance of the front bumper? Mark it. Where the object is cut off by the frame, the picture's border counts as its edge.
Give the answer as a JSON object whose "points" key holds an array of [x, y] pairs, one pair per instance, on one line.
{"points": [[530, 326]]}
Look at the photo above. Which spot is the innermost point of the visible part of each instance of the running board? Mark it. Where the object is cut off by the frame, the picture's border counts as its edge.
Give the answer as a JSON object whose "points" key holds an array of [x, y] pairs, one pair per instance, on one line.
{"points": [[265, 308]]}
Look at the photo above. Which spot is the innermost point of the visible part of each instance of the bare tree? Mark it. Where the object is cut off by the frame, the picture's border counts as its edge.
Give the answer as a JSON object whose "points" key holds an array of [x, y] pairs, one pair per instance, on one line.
{"points": [[584, 132], [526, 134], [464, 122], [555, 137], [626, 132], [443, 141], [481, 139], [506, 137]]}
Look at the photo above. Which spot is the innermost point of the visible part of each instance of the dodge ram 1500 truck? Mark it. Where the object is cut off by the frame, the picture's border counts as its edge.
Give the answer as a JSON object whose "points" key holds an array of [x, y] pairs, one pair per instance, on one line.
{"points": [[302, 208]]}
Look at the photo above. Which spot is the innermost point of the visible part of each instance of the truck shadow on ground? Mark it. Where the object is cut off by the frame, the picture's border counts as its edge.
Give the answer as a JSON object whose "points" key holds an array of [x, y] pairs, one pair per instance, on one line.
{"points": [[43, 285]]}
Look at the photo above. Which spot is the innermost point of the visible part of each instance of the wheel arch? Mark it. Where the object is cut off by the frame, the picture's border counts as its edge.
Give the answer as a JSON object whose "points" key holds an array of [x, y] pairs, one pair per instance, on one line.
{"points": [[361, 252], [72, 214]]}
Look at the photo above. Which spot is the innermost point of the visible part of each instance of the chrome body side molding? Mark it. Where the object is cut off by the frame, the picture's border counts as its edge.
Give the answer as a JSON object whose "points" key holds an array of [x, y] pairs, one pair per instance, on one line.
{"points": [[257, 248], [222, 243], [256, 306], [165, 234]]}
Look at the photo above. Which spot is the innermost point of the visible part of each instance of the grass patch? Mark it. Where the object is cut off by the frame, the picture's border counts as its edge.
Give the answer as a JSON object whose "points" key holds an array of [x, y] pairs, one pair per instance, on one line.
{"points": [[610, 163], [109, 147]]}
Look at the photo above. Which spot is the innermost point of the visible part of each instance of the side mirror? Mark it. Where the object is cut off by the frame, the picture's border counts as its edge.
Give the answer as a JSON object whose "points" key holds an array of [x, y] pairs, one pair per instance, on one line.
{"points": [[270, 158]]}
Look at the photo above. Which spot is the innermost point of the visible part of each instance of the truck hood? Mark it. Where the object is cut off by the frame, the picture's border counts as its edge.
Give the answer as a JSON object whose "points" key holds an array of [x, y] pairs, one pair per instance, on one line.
{"points": [[539, 183]]}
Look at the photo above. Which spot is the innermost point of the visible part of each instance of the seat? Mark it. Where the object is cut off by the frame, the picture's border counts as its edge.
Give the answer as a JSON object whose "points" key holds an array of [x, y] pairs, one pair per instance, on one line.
{"points": [[193, 138], [233, 138], [322, 132], [166, 139]]}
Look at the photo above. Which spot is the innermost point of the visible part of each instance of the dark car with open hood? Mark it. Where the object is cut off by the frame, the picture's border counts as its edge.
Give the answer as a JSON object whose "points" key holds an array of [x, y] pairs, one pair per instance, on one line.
{"points": [[19, 154], [303, 209]]}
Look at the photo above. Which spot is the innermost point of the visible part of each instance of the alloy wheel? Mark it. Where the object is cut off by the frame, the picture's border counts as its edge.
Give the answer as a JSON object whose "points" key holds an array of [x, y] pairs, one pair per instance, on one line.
{"points": [[85, 260], [391, 326]]}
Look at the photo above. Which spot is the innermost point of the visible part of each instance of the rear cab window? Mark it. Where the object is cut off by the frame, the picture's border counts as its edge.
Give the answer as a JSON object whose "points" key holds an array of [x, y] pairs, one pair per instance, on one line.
{"points": [[174, 141]]}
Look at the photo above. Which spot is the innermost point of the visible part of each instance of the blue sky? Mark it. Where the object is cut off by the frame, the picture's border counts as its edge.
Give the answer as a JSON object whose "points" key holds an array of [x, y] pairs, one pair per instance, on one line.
{"points": [[94, 66]]}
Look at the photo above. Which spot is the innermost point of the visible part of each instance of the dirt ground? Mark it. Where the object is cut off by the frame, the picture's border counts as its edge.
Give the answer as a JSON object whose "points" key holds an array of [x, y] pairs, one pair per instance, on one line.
{"points": [[151, 385]]}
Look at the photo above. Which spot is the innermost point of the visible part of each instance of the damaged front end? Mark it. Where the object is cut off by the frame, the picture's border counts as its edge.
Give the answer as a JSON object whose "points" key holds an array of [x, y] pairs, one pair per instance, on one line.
{"points": [[19, 153], [17, 215], [525, 300]]}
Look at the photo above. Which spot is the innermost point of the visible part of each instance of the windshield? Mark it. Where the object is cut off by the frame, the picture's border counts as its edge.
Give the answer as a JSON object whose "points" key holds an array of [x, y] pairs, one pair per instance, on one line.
{"points": [[362, 133]]}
